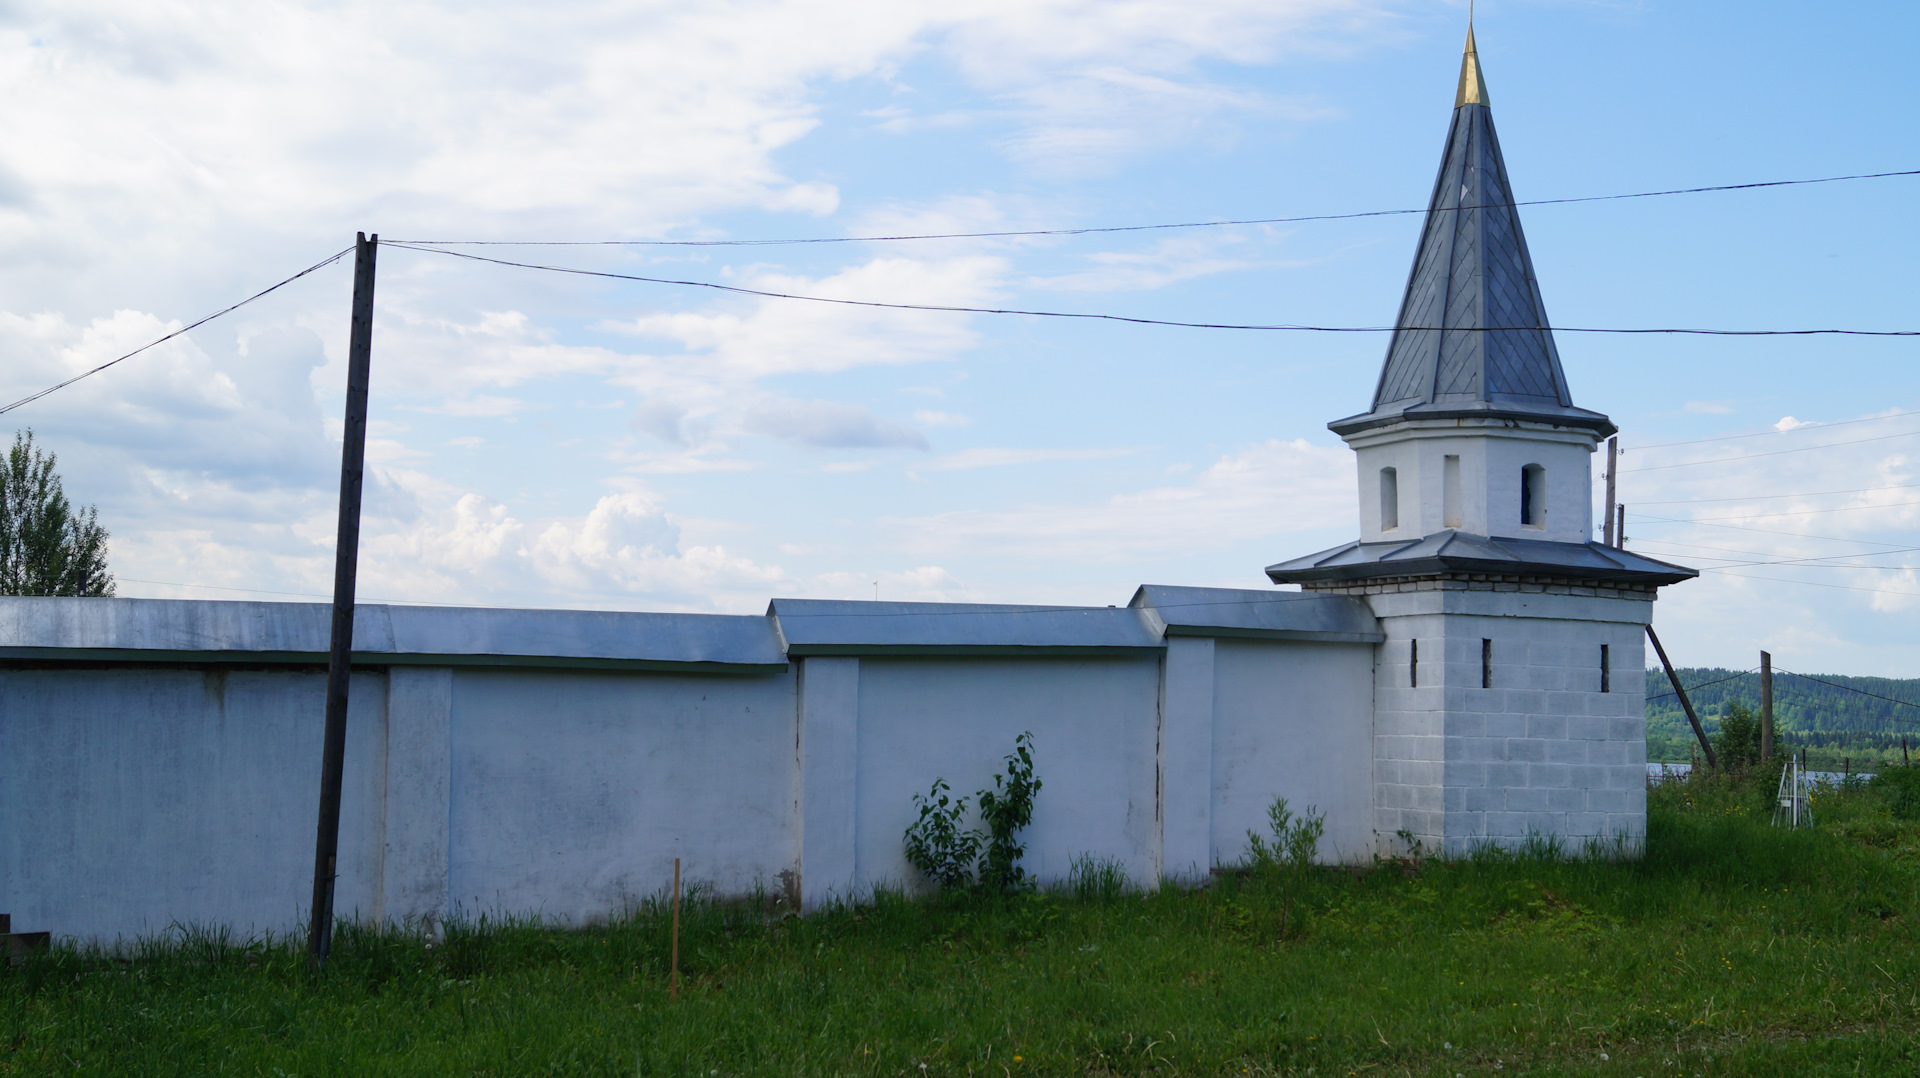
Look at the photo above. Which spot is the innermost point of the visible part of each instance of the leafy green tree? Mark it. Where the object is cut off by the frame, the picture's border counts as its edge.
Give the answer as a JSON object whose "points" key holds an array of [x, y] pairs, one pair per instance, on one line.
{"points": [[47, 545], [1739, 742]]}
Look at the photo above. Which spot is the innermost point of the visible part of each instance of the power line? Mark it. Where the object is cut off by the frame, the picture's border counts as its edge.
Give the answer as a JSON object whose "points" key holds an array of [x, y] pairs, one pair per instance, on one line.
{"points": [[1764, 433], [1143, 228], [1862, 692], [1805, 512], [30, 398], [1766, 531], [1817, 584], [1770, 452], [946, 309], [1767, 497], [1704, 684]]}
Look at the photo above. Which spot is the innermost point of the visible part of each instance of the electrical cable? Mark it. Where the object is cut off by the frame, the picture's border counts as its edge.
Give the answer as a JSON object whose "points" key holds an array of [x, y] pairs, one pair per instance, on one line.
{"points": [[1764, 433], [30, 398], [945, 309], [1819, 584], [1849, 688], [1764, 531], [1704, 684], [1805, 512], [1145, 228], [1766, 497], [1769, 453]]}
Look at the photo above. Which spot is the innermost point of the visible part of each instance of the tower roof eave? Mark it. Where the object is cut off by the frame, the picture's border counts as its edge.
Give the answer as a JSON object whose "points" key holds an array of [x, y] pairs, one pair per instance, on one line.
{"points": [[1557, 415]]}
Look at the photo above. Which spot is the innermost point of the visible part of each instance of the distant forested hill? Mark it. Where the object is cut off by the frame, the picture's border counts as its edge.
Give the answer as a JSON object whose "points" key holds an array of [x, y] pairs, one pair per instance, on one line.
{"points": [[1830, 721]]}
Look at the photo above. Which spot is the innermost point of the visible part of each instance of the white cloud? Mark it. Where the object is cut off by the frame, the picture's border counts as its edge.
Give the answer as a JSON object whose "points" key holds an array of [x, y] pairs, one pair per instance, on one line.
{"points": [[826, 425], [929, 418], [1267, 489], [170, 158], [984, 457], [1169, 261]]}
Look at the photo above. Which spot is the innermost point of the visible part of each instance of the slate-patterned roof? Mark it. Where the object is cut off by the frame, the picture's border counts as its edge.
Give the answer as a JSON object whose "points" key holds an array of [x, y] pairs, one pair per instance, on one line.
{"points": [[1472, 336], [1459, 552]]}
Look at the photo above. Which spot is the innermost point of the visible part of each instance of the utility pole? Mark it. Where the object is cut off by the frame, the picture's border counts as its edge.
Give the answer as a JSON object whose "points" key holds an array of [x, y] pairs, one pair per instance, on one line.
{"points": [[1620, 528], [1766, 707], [1613, 460], [346, 560], [1686, 704]]}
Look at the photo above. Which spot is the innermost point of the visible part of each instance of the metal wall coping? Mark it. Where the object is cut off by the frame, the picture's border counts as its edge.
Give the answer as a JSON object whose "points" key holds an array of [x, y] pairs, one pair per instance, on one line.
{"points": [[220, 632], [859, 627], [1258, 615], [195, 631]]}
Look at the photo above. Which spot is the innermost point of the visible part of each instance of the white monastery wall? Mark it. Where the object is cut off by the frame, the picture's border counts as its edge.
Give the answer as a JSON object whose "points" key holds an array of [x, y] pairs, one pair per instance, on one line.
{"points": [[573, 791], [163, 756], [1094, 721], [135, 799], [1293, 720]]}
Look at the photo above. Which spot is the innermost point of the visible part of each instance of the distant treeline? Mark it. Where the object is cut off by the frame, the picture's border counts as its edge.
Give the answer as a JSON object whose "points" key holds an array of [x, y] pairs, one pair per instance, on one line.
{"points": [[1828, 719]]}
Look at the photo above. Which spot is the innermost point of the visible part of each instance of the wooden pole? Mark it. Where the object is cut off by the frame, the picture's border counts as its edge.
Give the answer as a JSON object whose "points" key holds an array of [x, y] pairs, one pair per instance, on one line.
{"points": [[1686, 704], [1905, 760], [1620, 528], [673, 983], [346, 558], [1766, 707], [1613, 459]]}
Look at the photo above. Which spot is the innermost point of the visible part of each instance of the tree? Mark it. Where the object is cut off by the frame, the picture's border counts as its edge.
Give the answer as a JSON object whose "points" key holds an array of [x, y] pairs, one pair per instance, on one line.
{"points": [[47, 546], [1739, 742]]}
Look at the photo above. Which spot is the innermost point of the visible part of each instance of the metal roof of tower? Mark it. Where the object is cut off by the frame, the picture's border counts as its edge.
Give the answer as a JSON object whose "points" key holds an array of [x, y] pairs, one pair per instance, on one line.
{"points": [[1472, 339]]}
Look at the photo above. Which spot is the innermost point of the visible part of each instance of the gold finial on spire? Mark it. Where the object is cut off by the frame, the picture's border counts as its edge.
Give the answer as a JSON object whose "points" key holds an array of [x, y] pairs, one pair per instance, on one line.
{"points": [[1473, 88]]}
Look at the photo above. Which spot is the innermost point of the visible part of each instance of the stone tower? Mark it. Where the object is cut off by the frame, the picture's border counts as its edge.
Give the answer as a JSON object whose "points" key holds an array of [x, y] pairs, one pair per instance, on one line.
{"points": [[1509, 694]]}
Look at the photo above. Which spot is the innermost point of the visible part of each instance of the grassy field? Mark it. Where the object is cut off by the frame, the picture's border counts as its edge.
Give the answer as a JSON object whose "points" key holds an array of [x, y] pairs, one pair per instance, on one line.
{"points": [[1730, 949]]}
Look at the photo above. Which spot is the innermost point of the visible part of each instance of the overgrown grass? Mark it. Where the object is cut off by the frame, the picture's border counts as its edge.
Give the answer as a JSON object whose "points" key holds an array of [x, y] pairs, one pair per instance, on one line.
{"points": [[1730, 948]]}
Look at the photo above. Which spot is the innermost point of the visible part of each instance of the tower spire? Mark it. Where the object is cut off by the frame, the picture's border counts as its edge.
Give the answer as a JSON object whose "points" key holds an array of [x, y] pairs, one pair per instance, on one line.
{"points": [[1472, 338], [1473, 88]]}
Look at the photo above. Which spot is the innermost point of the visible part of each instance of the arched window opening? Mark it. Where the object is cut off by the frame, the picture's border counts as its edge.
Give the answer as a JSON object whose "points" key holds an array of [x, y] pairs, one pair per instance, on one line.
{"points": [[1533, 496], [1389, 499]]}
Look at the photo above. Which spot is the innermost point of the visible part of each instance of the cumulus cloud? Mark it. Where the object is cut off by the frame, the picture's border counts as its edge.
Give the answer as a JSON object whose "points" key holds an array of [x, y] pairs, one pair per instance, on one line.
{"points": [[170, 159]]}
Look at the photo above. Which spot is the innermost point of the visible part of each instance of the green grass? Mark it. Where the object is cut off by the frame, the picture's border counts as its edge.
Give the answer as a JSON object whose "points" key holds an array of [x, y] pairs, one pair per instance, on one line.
{"points": [[1729, 949]]}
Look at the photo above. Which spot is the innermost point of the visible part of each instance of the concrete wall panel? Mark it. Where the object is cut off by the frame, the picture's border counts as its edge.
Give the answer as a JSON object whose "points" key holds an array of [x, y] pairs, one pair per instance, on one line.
{"points": [[140, 799], [573, 792], [1293, 721], [1094, 723]]}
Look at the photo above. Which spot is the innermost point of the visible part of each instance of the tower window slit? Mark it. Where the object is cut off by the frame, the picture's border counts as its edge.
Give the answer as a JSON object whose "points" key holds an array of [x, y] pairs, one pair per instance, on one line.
{"points": [[1533, 496], [1450, 491], [1486, 664], [1389, 499], [1413, 666], [1606, 670]]}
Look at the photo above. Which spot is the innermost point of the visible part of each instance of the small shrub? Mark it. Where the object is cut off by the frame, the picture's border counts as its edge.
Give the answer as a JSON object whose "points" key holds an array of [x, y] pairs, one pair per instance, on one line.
{"points": [[1006, 810], [937, 845], [946, 853], [1295, 841]]}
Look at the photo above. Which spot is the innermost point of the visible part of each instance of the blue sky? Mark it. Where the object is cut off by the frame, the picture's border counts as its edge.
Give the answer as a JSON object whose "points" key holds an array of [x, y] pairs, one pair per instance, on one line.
{"points": [[542, 440]]}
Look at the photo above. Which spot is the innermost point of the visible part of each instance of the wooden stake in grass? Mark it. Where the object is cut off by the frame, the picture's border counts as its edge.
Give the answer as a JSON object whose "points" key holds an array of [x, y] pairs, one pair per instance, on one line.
{"points": [[673, 978]]}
